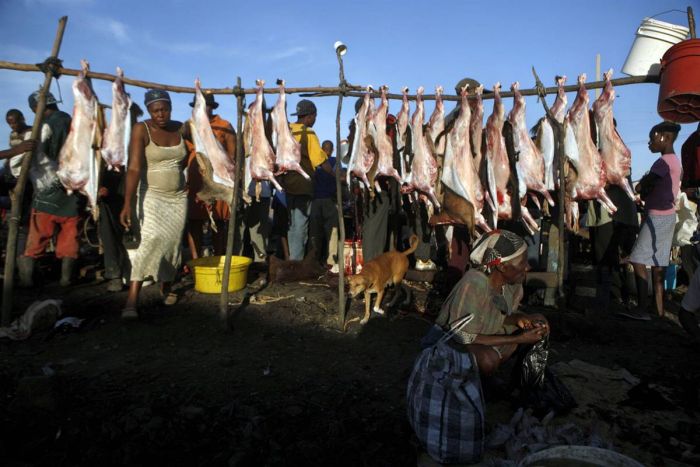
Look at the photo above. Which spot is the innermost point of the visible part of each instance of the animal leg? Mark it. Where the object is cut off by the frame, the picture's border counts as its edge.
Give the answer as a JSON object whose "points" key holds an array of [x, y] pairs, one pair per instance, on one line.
{"points": [[368, 297], [378, 303], [628, 189]]}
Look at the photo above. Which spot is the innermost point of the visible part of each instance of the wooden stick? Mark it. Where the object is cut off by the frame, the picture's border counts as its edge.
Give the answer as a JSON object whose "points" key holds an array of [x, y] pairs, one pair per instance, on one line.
{"points": [[691, 22], [16, 212], [339, 201], [223, 301], [319, 91], [560, 129]]}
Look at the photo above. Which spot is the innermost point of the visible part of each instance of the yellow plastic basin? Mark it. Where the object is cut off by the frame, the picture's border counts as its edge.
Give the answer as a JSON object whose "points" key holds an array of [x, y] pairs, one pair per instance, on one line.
{"points": [[209, 273]]}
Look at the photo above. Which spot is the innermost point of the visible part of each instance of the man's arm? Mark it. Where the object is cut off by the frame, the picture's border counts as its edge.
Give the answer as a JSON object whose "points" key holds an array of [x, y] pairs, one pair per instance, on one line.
{"points": [[21, 148]]}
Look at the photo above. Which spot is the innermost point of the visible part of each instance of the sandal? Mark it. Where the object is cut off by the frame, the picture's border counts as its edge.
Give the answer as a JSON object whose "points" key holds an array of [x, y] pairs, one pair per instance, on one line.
{"points": [[170, 299], [129, 313]]}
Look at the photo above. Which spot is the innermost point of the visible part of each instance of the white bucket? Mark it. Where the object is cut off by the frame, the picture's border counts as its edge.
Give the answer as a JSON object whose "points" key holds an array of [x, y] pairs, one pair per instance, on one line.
{"points": [[653, 39]]}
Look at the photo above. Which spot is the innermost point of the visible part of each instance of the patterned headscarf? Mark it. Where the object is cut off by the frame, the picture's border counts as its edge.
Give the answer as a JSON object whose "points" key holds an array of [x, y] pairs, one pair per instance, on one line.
{"points": [[496, 247], [155, 95]]}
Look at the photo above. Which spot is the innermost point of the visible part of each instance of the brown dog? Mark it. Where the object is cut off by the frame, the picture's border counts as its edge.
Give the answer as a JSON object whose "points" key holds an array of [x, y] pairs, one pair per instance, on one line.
{"points": [[386, 269]]}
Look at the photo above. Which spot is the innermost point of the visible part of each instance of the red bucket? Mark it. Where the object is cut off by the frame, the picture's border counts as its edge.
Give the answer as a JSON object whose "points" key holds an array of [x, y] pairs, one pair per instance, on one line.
{"points": [[679, 86]]}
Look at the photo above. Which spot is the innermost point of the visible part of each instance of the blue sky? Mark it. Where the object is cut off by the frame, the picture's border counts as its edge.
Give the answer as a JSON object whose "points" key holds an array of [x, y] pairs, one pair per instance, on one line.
{"points": [[406, 43]]}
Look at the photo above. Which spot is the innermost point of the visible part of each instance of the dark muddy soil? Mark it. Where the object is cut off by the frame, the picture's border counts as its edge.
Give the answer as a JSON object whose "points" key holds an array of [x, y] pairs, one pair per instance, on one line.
{"points": [[284, 386]]}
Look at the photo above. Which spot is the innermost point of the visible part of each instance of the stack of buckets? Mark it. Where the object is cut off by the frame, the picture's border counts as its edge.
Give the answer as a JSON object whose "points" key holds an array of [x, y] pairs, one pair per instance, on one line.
{"points": [[661, 49]]}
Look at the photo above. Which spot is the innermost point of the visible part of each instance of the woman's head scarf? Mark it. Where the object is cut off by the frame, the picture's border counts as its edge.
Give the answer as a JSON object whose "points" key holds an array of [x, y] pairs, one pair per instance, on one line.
{"points": [[496, 247]]}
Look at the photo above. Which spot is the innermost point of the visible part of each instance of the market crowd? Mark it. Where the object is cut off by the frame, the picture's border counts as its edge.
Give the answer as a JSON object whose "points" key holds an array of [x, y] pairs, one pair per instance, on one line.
{"points": [[151, 222], [149, 213]]}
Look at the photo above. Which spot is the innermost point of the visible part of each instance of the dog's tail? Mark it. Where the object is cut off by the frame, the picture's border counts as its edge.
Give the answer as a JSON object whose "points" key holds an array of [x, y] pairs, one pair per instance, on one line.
{"points": [[414, 244]]}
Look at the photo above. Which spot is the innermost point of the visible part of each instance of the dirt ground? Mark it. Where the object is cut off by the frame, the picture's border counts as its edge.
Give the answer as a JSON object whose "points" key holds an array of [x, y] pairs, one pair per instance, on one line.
{"points": [[283, 386]]}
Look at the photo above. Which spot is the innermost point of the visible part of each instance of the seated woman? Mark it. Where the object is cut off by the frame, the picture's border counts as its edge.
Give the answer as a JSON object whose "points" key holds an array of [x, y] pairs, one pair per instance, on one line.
{"points": [[491, 292]]}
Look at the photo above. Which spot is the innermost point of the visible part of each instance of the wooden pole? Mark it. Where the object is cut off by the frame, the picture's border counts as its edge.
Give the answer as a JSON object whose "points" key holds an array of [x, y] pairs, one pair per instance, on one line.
{"points": [[16, 213], [339, 199], [597, 74], [320, 91], [691, 22], [559, 132], [223, 301]]}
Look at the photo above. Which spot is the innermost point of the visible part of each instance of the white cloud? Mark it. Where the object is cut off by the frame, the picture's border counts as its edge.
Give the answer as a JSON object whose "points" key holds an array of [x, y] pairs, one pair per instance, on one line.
{"points": [[110, 27], [288, 53]]}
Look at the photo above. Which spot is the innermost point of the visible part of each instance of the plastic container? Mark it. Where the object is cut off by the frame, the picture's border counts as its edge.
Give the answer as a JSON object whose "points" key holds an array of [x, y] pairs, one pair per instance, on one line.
{"points": [[580, 456], [670, 278], [679, 85], [349, 248], [209, 273], [654, 37]]}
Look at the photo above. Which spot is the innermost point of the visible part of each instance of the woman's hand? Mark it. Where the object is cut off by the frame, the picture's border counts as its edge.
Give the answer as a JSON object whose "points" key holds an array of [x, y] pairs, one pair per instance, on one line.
{"points": [[125, 217], [532, 336]]}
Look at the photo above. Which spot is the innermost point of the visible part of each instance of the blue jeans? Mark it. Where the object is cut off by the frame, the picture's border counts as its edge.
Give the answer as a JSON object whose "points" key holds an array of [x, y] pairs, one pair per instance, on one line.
{"points": [[299, 207]]}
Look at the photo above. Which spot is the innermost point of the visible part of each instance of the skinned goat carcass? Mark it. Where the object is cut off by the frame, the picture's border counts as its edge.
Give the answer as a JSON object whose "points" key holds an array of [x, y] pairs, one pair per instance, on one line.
{"points": [[385, 150], [78, 160], [459, 171], [615, 154], [476, 126], [498, 156], [115, 144], [424, 166], [262, 157], [531, 164], [592, 175], [287, 149], [362, 157], [402, 131], [216, 166]]}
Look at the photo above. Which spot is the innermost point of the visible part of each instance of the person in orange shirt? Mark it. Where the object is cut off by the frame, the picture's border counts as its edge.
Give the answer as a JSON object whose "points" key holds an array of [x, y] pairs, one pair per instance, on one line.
{"points": [[197, 214]]}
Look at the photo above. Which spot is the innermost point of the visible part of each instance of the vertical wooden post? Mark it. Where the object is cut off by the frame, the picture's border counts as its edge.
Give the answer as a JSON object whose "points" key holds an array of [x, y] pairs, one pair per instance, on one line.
{"points": [[16, 213], [559, 132], [597, 74], [691, 22], [223, 302], [339, 198]]}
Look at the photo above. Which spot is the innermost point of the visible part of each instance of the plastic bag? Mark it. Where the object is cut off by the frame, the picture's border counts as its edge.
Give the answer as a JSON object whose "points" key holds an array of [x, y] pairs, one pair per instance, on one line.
{"points": [[445, 402], [686, 221], [534, 363]]}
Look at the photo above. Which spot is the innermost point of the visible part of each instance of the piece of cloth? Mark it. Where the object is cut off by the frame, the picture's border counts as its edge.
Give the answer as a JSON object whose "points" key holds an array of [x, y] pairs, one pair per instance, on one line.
{"points": [[653, 245], [162, 210], [15, 162], [324, 218], [53, 198], [196, 208], [375, 226], [690, 156], [109, 228], [311, 157], [111, 233], [42, 226], [691, 300], [253, 230], [662, 199], [611, 242], [496, 247], [317, 156], [418, 221], [474, 296], [299, 207], [324, 183]]}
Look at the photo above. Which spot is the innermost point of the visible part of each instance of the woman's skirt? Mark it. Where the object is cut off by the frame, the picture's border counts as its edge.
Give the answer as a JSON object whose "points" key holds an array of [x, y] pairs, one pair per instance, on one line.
{"points": [[162, 218], [653, 245]]}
